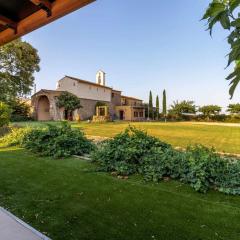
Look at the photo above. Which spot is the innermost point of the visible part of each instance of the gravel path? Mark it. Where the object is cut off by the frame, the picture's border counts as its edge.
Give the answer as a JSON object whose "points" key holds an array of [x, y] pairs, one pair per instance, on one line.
{"points": [[217, 124]]}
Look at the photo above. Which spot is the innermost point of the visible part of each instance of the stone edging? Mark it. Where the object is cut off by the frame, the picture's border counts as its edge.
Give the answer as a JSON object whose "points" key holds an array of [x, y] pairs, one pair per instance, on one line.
{"points": [[33, 230]]}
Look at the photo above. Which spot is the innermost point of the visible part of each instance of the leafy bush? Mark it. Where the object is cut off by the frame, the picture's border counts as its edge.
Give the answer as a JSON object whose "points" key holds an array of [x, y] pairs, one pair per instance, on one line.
{"points": [[57, 141], [4, 114], [126, 150], [160, 164], [133, 151], [234, 118], [4, 130], [69, 102], [20, 111], [15, 136]]}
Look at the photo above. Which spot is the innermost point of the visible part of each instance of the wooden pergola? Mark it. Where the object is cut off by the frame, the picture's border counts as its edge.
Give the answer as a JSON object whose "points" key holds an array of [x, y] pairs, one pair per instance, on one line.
{"points": [[19, 17]]}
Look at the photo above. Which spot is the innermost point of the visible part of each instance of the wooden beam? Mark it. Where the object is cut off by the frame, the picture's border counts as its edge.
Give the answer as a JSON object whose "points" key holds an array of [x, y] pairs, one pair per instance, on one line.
{"points": [[38, 19], [44, 4], [8, 22]]}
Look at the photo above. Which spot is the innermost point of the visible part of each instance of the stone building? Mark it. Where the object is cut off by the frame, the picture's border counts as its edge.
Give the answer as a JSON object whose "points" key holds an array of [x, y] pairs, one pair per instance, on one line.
{"points": [[44, 102]]}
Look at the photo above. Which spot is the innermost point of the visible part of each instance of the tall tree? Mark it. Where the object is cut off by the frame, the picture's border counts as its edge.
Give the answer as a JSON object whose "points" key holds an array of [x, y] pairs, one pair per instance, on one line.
{"points": [[179, 108], [69, 102], [209, 110], [157, 107], [150, 105], [164, 105], [227, 13], [18, 63], [234, 108]]}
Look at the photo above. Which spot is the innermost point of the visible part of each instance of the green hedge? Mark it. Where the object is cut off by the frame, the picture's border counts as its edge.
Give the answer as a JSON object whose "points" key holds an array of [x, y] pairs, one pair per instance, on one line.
{"points": [[133, 151]]}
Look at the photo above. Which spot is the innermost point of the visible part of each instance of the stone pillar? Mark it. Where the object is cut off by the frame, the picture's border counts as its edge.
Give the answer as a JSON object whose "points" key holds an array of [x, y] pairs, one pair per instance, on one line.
{"points": [[97, 111], [105, 111]]}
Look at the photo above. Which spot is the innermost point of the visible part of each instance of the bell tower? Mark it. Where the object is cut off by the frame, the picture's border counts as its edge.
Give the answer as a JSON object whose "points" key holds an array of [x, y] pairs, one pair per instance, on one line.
{"points": [[100, 78]]}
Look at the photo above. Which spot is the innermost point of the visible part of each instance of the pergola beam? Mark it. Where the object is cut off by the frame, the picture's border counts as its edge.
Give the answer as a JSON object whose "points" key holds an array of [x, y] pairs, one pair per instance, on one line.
{"points": [[44, 4], [38, 19], [8, 22], [37, 2]]}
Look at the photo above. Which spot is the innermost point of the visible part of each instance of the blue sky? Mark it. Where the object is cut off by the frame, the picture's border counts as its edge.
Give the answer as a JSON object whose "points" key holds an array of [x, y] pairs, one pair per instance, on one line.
{"points": [[141, 45]]}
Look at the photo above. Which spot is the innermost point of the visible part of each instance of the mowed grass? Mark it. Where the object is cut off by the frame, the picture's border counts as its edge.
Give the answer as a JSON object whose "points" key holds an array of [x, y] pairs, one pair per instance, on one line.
{"points": [[181, 134], [67, 199]]}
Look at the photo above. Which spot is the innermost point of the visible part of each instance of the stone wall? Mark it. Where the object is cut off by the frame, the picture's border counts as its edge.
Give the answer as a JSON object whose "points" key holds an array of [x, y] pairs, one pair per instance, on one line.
{"points": [[129, 113], [115, 101], [88, 108], [85, 90]]}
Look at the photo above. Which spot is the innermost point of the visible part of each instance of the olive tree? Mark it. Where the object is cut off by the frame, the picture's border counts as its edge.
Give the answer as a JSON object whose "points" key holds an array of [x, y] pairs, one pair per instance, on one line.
{"points": [[69, 102]]}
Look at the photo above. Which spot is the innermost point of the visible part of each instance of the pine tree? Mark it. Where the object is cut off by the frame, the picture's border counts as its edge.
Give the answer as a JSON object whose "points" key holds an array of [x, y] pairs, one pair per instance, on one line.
{"points": [[150, 105], [164, 103], [157, 107]]}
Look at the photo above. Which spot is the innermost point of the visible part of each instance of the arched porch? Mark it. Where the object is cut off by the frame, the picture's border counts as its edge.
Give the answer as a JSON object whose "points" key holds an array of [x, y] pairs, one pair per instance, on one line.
{"points": [[43, 108]]}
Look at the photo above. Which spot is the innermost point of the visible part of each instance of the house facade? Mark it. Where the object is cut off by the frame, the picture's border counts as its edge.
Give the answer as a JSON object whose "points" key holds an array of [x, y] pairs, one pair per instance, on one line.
{"points": [[44, 102]]}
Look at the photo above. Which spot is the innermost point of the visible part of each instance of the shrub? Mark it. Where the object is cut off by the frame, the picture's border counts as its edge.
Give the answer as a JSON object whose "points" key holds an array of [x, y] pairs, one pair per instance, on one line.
{"points": [[126, 150], [69, 102], [57, 141], [167, 163], [133, 151], [4, 130], [234, 118], [15, 136], [20, 111], [4, 114]]}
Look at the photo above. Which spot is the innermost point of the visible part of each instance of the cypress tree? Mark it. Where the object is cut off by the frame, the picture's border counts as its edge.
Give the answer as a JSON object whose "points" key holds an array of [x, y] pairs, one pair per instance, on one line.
{"points": [[157, 107], [164, 103], [150, 105]]}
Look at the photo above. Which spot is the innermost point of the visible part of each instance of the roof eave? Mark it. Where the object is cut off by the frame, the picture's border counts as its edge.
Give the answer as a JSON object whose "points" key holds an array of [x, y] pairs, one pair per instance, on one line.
{"points": [[38, 19]]}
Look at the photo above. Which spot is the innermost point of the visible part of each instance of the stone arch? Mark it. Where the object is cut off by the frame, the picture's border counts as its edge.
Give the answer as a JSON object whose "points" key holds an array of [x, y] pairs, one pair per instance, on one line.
{"points": [[43, 108]]}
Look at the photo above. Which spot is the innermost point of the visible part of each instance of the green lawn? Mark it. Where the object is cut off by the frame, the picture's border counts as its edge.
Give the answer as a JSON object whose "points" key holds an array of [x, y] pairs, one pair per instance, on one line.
{"points": [[223, 138], [67, 199]]}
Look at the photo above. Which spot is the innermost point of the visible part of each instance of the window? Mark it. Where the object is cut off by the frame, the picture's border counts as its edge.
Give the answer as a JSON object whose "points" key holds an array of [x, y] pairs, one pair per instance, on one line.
{"points": [[112, 95], [90, 87], [135, 114], [74, 84], [140, 114], [97, 89]]}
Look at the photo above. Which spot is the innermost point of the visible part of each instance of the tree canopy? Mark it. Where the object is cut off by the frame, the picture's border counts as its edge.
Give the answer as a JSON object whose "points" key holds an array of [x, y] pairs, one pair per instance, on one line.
{"points": [[18, 63], [209, 110], [68, 101], [234, 108], [227, 13], [178, 108]]}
